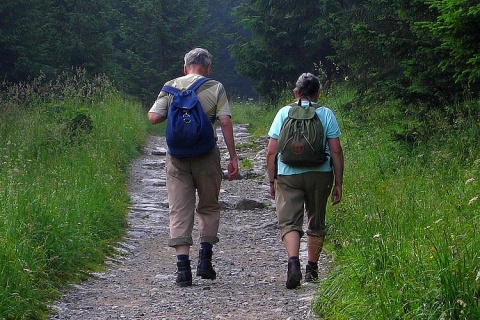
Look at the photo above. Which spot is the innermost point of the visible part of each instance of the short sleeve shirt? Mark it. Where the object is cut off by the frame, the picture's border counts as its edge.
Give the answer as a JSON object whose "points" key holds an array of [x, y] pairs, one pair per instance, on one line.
{"points": [[330, 125], [211, 94]]}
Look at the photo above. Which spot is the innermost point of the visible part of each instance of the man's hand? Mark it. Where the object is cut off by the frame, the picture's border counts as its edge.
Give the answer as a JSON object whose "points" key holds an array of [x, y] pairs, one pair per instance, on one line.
{"points": [[232, 169]]}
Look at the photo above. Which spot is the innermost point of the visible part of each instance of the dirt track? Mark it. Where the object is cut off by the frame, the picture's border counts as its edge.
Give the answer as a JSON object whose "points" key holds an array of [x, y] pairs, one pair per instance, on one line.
{"points": [[249, 259]]}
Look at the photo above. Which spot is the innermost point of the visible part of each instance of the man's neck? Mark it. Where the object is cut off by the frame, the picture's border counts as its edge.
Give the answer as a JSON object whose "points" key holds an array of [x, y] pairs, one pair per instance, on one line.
{"points": [[197, 69]]}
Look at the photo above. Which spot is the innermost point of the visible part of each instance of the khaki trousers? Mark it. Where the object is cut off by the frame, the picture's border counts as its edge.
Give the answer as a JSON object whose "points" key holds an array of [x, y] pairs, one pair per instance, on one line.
{"points": [[306, 192], [186, 178]]}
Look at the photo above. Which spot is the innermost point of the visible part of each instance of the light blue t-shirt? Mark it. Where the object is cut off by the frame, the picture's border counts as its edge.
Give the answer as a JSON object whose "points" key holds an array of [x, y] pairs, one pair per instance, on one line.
{"points": [[331, 129]]}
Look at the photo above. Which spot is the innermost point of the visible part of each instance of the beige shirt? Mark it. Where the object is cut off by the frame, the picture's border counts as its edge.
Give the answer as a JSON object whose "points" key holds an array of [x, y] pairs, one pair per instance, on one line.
{"points": [[211, 94]]}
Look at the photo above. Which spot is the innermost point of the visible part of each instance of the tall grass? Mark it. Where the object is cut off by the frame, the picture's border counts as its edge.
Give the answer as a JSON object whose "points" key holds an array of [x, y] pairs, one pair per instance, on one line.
{"points": [[405, 238], [65, 149]]}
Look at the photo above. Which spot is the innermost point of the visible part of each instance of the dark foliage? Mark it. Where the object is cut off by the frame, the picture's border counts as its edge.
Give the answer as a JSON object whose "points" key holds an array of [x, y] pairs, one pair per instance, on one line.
{"points": [[280, 44], [424, 52], [137, 44]]}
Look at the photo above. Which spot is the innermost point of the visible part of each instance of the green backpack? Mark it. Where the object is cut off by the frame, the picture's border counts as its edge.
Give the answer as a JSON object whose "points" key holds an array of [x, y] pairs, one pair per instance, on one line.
{"points": [[300, 143]]}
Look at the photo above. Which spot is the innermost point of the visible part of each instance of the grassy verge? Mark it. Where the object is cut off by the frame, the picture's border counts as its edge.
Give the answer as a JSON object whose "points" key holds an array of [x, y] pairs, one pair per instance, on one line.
{"points": [[65, 154], [405, 238]]}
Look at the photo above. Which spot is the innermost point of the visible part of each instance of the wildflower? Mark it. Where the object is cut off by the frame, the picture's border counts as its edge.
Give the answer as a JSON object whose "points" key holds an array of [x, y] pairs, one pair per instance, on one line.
{"points": [[377, 235], [470, 180], [472, 200], [477, 278], [461, 303]]}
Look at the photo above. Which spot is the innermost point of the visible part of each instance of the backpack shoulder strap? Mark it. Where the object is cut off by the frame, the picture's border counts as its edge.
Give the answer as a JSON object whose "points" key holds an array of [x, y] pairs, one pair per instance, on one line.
{"points": [[170, 90], [301, 113], [198, 83], [194, 87]]}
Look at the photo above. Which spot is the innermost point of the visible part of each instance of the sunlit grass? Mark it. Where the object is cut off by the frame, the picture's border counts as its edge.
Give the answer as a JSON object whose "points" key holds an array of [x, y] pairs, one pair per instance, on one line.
{"points": [[405, 238], [63, 201]]}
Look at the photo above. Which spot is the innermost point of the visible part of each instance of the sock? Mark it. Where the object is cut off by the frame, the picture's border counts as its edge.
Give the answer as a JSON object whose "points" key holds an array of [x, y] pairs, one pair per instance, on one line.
{"points": [[293, 258], [206, 245], [182, 257]]}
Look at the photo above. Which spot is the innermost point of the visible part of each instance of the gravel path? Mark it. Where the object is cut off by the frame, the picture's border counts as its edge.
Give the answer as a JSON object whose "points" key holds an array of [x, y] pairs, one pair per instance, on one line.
{"points": [[250, 260]]}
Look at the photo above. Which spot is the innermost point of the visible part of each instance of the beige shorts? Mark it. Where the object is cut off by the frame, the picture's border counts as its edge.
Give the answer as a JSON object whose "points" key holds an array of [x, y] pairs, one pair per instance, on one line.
{"points": [[186, 178], [303, 193]]}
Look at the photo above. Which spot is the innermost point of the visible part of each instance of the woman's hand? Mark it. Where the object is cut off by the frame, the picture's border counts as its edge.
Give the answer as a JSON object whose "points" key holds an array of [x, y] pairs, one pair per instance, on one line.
{"points": [[272, 189]]}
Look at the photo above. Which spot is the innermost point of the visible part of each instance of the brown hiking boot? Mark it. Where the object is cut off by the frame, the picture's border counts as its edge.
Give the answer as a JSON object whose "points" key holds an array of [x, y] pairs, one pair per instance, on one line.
{"points": [[311, 272], [294, 274]]}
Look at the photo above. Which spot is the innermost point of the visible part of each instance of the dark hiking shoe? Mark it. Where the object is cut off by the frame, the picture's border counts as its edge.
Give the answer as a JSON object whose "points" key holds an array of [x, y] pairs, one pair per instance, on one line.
{"points": [[204, 267], [311, 272], [184, 274], [294, 274]]}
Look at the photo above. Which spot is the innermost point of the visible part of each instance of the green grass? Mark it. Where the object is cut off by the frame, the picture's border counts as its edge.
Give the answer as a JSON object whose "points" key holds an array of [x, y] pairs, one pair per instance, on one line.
{"points": [[405, 237], [258, 117], [63, 201]]}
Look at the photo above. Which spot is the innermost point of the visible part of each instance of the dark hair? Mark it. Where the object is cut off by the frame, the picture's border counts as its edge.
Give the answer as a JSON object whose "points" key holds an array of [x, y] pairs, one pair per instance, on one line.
{"points": [[307, 85]]}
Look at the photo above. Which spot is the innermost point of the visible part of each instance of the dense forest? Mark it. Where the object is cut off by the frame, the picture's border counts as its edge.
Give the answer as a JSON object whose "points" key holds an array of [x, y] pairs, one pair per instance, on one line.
{"points": [[424, 52], [137, 44]]}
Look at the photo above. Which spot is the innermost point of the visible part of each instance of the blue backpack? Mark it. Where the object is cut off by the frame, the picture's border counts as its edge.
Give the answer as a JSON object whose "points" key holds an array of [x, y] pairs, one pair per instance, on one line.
{"points": [[189, 132]]}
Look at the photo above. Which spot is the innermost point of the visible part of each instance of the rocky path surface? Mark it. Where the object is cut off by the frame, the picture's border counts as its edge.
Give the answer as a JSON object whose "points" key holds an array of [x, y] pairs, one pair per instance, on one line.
{"points": [[250, 260]]}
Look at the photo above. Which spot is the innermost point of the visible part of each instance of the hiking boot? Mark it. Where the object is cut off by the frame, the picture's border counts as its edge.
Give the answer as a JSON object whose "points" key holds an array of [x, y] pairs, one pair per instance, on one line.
{"points": [[184, 274], [294, 274], [311, 272], [205, 268]]}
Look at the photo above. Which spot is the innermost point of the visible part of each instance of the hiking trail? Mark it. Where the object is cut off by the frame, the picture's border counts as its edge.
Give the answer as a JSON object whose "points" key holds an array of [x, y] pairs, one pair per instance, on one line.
{"points": [[250, 260]]}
